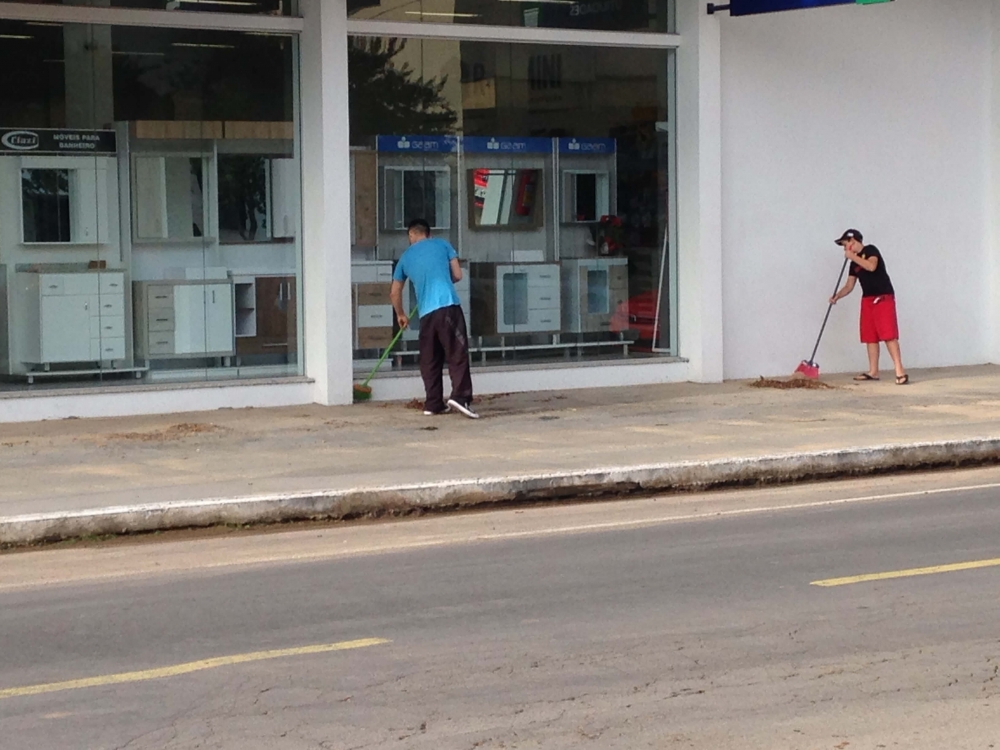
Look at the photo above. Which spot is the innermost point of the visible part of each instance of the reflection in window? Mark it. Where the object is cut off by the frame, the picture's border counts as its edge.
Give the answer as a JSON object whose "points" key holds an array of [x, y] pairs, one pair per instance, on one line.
{"points": [[45, 202], [417, 193], [243, 198], [505, 197]]}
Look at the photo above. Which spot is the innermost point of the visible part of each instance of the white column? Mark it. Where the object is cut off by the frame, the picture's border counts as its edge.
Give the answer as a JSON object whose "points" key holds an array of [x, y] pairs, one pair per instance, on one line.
{"points": [[326, 190], [699, 190], [992, 323]]}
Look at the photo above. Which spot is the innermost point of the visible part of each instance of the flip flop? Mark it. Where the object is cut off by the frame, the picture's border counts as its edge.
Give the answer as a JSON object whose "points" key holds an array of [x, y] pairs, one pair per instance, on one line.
{"points": [[903, 380], [864, 376]]}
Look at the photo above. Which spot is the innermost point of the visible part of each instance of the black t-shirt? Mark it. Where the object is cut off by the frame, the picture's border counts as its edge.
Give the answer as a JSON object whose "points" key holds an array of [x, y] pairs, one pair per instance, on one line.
{"points": [[873, 283]]}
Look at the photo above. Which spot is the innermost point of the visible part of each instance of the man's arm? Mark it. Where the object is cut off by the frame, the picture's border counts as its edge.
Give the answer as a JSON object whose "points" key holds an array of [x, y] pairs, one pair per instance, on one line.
{"points": [[869, 264], [396, 297], [844, 290], [456, 270]]}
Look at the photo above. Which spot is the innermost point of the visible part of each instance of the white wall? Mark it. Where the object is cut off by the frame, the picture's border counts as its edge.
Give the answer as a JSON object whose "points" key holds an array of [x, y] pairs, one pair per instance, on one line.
{"points": [[872, 117]]}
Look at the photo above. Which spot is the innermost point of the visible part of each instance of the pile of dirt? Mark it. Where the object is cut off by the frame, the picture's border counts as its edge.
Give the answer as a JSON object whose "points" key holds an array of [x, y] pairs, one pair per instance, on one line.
{"points": [[174, 432], [806, 383]]}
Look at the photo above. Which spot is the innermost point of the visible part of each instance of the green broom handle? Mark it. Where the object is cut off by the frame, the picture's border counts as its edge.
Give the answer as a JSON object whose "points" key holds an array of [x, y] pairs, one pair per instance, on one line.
{"points": [[385, 354]]}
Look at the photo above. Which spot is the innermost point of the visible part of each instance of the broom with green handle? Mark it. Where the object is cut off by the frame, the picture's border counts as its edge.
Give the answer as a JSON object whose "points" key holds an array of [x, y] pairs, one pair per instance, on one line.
{"points": [[363, 392]]}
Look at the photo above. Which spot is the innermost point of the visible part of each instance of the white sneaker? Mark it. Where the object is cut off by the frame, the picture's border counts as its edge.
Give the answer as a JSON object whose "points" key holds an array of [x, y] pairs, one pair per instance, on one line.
{"points": [[466, 409], [445, 410]]}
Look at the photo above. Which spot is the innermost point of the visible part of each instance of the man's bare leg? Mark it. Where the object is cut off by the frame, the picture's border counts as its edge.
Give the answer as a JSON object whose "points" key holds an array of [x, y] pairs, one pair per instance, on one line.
{"points": [[873, 360], [897, 358]]}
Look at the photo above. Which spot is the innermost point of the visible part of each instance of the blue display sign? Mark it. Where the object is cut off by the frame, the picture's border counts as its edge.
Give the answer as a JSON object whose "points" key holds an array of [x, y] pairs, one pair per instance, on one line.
{"points": [[750, 7], [489, 145], [417, 144], [587, 146]]}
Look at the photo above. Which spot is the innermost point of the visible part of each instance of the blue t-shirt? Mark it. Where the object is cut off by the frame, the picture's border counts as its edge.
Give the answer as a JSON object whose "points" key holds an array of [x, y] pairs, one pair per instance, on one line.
{"points": [[428, 265]]}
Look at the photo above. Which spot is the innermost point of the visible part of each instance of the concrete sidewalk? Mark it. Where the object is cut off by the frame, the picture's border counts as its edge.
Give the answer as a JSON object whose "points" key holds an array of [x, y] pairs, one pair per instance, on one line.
{"points": [[72, 477]]}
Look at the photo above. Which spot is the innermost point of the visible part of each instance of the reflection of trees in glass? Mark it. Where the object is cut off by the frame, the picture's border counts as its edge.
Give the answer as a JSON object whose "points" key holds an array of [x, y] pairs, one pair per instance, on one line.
{"points": [[243, 198], [45, 199], [385, 99]]}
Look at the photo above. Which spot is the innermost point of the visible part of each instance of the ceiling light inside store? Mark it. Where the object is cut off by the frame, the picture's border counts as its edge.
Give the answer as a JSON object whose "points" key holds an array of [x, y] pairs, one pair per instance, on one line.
{"points": [[543, 2], [202, 46], [444, 15], [127, 53], [19, 37]]}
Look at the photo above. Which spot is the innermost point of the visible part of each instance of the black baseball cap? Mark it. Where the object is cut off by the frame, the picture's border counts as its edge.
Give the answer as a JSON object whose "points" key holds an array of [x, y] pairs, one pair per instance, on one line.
{"points": [[850, 234]]}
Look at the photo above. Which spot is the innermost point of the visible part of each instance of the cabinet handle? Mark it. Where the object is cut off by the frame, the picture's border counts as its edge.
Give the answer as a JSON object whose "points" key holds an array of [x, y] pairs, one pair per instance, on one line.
{"points": [[213, 296]]}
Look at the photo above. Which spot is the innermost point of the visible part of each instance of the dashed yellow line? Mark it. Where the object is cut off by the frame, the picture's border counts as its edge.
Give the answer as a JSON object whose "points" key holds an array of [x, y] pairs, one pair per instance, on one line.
{"points": [[186, 668], [952, 568]]}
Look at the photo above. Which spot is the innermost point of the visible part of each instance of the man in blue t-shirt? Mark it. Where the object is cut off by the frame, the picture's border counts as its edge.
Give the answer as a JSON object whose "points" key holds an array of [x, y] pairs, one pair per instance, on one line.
{"points": [[432, 266]]}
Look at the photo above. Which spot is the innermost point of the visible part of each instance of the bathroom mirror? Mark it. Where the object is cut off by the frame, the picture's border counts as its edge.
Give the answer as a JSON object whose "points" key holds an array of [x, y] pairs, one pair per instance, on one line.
{"points": [[505, 198]]}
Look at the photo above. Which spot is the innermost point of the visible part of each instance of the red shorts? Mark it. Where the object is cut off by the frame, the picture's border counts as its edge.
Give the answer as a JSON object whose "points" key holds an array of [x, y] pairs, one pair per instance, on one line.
{"points": [[878, 319]]}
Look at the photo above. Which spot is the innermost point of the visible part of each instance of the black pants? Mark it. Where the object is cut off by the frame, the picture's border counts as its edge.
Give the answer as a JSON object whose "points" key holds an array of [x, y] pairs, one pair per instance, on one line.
{"points": [[443, 339]]}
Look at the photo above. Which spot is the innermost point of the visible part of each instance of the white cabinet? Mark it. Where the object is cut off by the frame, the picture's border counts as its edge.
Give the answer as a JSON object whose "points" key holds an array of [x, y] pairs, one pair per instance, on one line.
{"points": [[178, 319], [74, 317], [513, 298], [528, 298]]}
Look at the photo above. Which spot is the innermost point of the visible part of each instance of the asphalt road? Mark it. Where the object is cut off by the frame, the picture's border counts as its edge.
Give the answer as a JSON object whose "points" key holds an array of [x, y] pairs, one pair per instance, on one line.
{"points": [[688, 622]]}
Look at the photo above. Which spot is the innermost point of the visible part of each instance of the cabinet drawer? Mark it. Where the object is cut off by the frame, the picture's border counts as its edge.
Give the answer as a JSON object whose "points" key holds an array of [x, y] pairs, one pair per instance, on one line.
{"points": [[160, 296], [371, 274], [161, 319], [111, 306], [51, 285], [111, 283], [544, 320], [161, 343], [80, 283], [374, 338], [375, 316], [548, 277], [111, 327], [543, 298], [107, 349], [372, 294]]}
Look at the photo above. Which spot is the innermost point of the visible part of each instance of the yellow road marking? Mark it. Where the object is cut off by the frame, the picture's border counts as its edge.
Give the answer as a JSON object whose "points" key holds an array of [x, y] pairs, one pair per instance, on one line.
{"points": [[954, 567], [186, 668]]}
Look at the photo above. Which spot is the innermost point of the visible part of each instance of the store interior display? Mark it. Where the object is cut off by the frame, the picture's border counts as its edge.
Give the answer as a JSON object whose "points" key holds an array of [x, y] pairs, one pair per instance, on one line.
{"points": [[529, 232], [134, 261]]}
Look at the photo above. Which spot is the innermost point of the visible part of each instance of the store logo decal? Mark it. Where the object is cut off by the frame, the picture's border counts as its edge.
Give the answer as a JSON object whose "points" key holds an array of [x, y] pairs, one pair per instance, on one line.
{"points": [[21, 140], [574, 145], [403, 143], [493, 144]]}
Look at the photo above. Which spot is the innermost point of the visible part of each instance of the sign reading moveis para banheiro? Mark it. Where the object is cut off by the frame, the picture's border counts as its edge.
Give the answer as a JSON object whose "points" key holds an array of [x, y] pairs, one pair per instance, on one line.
{"points": [[751, 7], [47, 141]]}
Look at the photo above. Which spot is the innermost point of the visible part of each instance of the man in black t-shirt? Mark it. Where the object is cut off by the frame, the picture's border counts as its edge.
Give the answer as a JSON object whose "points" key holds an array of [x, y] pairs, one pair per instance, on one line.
{"points": [[878, 303]]}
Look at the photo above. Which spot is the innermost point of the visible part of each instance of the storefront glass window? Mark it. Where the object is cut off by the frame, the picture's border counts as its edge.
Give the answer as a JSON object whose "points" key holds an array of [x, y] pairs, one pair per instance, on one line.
{"points": [[255, 7], [149, 205], [599, 15], [549, 168]]}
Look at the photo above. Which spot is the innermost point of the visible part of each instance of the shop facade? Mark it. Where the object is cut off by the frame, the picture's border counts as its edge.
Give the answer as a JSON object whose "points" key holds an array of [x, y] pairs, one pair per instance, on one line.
{"points": [[202, 202]]}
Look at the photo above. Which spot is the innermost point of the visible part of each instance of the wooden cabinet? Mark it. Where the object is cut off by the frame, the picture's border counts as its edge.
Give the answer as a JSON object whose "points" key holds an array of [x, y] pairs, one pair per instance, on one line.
{"points": [[593, 289], [371, 310], [74, 317], [183, 319], [266, 315]]}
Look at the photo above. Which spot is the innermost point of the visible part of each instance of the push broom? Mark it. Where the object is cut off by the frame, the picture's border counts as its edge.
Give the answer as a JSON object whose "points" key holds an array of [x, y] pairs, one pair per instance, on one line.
{"points": [[363, 392], [809, 368]]}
